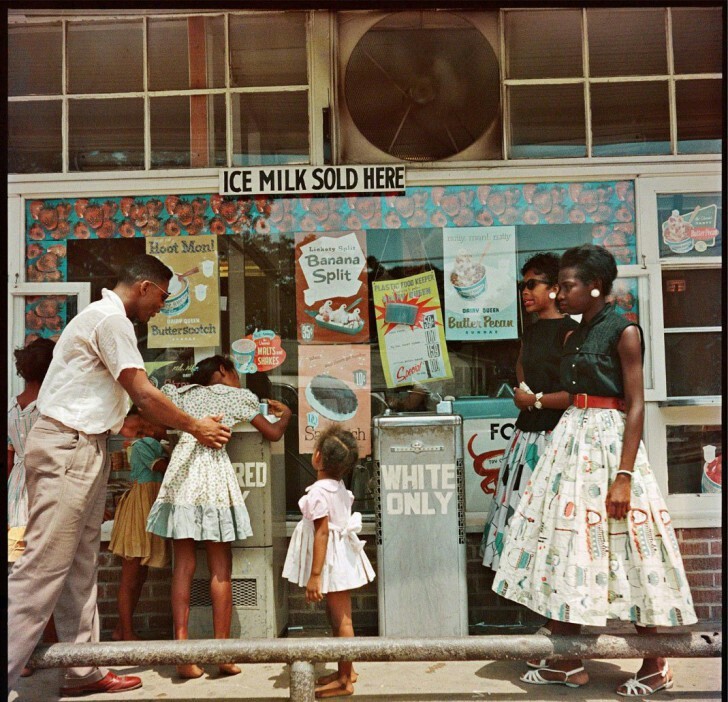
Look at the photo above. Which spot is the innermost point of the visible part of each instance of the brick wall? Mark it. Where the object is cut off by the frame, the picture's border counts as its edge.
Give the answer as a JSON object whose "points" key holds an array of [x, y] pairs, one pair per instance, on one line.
{"points": [[487, 612]]}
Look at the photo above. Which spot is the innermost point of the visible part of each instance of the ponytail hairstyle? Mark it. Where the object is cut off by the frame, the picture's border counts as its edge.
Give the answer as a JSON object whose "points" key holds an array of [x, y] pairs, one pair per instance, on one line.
{"points": [[32, 362], [204, 370], [339, 451]]}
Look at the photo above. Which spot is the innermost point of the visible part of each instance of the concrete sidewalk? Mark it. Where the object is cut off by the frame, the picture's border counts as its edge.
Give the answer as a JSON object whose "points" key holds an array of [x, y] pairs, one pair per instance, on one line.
{"points": [[696, 679]]}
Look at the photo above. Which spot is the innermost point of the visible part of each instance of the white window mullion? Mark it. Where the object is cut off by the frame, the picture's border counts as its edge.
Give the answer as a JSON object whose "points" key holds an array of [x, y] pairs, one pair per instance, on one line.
{"points": [[147, 107], [506, 116], [228, 96], [64, 103], [671, 83], [587, 84]]}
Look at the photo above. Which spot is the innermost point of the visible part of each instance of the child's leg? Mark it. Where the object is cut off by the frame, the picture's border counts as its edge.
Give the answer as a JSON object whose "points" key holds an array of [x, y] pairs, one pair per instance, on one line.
{"points": [[133, 576], [339, 604], [332, 677], [182, 574], [220, 564]]}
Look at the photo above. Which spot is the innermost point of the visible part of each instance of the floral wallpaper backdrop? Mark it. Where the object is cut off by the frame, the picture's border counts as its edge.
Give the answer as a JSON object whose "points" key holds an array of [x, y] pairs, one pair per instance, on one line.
{"points": [[608, 206]]}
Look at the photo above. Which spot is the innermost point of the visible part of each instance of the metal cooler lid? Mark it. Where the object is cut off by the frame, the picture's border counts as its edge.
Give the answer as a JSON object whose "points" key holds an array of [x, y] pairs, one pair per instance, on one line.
{"points": [[416, 419]]}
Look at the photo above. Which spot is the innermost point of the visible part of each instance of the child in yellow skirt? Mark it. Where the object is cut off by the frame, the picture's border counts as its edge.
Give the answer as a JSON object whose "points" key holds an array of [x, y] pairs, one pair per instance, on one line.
{"points": [[130, 540]]}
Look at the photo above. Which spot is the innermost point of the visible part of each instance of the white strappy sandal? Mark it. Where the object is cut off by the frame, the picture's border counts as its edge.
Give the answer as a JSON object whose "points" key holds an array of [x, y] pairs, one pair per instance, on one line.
{"points": [[534, 677], [543, 662], [634, 687]]}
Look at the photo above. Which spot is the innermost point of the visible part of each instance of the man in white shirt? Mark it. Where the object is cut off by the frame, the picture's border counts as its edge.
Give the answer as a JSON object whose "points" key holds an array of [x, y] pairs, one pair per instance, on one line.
{"points": [[96, 367]]}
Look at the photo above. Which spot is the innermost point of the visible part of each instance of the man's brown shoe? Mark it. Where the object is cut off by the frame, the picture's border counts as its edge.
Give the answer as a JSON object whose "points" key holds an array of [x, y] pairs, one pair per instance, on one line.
{"points": [[111, 682]]}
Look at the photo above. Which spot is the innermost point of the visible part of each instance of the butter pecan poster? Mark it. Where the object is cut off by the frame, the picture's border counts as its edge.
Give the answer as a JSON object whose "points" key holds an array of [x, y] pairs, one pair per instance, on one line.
{"points": [[410, 330], [331, 288], [191, 315], [334, 388], [481, 302]]}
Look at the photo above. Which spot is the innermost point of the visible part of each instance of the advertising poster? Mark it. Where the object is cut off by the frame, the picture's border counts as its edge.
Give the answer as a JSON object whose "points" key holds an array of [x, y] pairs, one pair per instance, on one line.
{"points": [[331, 288], [410, 330], [191, 315], [481, 302], [689, 229], [334, 388], [259, 351]]}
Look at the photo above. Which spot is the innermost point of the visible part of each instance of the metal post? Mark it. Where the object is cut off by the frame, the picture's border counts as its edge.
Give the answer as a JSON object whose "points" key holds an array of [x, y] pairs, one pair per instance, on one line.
{"points": [[302, 681]]}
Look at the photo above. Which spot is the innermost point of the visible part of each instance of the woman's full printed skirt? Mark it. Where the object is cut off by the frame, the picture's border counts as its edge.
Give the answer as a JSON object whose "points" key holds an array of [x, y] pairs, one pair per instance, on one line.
{"points": [[565, 559]]}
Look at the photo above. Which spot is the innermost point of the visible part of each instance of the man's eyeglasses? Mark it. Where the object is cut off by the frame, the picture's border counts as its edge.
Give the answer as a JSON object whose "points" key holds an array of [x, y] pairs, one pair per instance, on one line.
{"points": [[531, 284], [165, 294]]}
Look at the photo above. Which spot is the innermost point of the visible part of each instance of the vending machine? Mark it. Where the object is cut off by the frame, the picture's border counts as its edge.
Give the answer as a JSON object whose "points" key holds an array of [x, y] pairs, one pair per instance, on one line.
{"points": [[420, 527], [260, 594]]}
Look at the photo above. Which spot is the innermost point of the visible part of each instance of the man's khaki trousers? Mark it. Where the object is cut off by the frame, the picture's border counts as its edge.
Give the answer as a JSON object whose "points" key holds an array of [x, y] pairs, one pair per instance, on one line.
{"points": [[66, 475]]}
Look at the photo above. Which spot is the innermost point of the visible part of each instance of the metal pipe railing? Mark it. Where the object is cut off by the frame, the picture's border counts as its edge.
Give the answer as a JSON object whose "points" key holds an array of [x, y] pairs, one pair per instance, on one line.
{"points": [[301, 654]]}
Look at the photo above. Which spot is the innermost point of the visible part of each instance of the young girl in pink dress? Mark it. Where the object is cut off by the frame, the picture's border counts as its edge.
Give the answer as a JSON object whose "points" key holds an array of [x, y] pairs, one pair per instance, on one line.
{"points": [[325, 554]]}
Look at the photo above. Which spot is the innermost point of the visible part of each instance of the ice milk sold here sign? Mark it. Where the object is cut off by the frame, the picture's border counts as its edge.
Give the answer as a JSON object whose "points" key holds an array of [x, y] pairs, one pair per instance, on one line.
{"points": [[311, 180]]}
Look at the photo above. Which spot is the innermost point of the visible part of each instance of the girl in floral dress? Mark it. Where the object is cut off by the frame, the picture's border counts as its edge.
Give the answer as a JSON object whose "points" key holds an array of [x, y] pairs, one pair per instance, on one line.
{"points": [[591, 538], [200, 498]]}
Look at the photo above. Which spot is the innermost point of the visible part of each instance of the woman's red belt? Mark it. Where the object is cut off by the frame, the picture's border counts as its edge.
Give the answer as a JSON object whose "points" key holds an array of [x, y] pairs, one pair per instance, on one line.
{"points": [[583, 401]]}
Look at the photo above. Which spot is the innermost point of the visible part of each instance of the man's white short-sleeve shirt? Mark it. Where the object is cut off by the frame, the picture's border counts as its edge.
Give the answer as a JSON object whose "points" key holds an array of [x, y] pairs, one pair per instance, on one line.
{"points": [[81, 388]]}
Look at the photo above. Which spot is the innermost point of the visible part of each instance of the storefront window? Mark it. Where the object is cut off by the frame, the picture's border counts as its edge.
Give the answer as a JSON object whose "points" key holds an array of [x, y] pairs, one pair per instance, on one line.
{"points": [[556, 54], [699, 116], [47, 315], [697, 39], [694, 459], [268, 50], [690, 225], [270, 128], [560, 130], [105, 134], [630, 118], [34, 59], [691, 298], [105, 57], [186, 53], [34, 136]]}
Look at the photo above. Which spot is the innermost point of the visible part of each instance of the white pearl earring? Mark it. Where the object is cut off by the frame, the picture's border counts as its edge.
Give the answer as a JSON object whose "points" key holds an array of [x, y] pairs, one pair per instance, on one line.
{"points": [[595, 292], [552, 295]]}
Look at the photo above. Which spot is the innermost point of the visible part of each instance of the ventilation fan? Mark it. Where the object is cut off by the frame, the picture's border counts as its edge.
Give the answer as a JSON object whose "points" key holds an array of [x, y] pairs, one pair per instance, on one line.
{"points": [[418, 86]]}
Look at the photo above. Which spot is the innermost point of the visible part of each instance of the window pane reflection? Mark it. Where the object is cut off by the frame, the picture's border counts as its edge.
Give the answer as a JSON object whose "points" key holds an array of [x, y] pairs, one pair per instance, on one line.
{"points": [[702, 375], [268, 50], [174, 45], [543, 44], [104, 57], [34, 60], [691, 298], [630, 119], [105, 134], [627, 42], [34, 137], [699, 116], [176, 143], [697, 40], [694, 459], [270, 128], [559, 129]]}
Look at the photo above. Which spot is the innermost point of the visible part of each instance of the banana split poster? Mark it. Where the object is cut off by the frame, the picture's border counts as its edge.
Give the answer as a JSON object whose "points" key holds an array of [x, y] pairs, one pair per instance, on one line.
{"points": [[331, 288]]}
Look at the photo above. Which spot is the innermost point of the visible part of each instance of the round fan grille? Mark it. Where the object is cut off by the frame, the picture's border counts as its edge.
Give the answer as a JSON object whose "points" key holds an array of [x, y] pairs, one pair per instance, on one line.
{"points": [[422, 86]]}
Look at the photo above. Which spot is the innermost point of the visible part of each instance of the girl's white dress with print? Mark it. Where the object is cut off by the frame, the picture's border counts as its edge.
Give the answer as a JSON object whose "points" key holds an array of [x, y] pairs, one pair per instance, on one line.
{"points": [[346, 565], [200, 497]]}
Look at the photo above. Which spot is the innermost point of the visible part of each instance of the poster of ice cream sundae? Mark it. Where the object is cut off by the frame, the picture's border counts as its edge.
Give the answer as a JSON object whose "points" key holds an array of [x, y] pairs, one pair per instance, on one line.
{"points": [[689, 231], [480, 283], [410, 330], [191, 315], [334, 388], [331, 288]]}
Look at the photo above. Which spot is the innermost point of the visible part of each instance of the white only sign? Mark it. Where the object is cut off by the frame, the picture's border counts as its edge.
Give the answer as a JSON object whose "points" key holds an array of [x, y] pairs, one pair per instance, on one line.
{"points": [[311, 180], [331, 266]]}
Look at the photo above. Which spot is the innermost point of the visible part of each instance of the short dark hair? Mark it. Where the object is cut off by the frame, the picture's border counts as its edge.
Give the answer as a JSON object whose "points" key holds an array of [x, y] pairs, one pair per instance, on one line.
{"points": [[204, 370], [144, 267], [592, 263], [32, 361], [339, 450], [545, 264]]}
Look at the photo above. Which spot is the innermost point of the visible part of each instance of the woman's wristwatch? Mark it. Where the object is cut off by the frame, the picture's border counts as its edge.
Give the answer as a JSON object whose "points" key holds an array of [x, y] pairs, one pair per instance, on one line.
{"points": [[538, 404]]}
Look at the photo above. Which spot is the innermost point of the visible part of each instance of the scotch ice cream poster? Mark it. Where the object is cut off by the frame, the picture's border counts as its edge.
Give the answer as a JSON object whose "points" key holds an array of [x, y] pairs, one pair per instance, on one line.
{"points": [[334, 388], [191, 314], [480, 283], [410, 330], [331, 288]]}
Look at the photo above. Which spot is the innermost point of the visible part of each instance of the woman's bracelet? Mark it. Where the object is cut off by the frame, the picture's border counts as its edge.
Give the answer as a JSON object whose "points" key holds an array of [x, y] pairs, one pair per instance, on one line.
{"points": [[624, 472]]}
